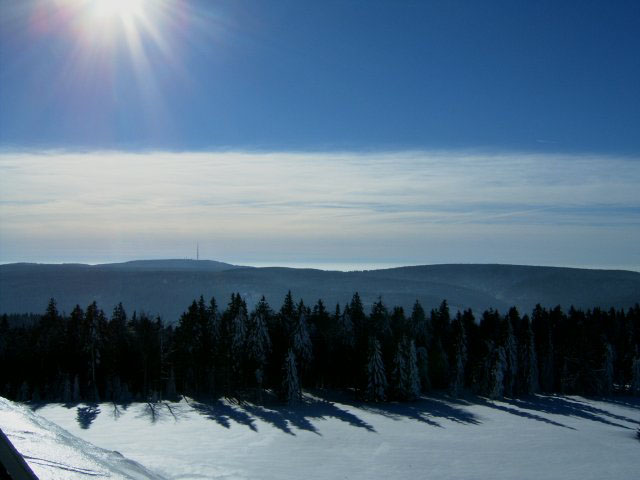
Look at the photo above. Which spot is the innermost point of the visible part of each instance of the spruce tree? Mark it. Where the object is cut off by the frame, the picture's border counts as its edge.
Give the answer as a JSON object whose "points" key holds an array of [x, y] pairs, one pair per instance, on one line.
{"points": [[459, 357], [418, 325], [342, 361], [440, 331], [49, 341], [345, 326], [543, 335], [438, 365], [301, 338], [635, 376], [258, 341], [239, 322], [291, 384], [323, 335], [378, 321], [288, 313], [171, 392], [117, 351], [377, 379], [93, 319], [528, 360], [405, 370], [76, 395], [186, 352], [399, 372], [422, 357], [567, 380], [66, 390], [510, 346], [413, 379], [606, 387], [498, 367], [23, 392]]}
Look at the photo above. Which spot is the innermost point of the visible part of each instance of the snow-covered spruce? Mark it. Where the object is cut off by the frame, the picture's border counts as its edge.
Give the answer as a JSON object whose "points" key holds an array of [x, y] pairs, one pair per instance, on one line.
{"points": [[510, 347], [496, 374], [301, 339], [258, 341], [291, 383], [460, 356], [405, 371], [377, 379], [529, 377]]}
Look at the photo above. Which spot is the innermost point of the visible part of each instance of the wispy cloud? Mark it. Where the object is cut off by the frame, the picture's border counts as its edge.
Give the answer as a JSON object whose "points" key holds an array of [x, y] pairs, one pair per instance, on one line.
{"points": [[407, 207]]}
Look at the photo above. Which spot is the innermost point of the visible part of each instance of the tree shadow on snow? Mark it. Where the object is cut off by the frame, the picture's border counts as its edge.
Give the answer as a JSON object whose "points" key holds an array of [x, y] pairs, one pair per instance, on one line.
{"points": [[87, 414], [424, 409], [621, 401], [571, 407], [322, 408], [157, 411], [274, 417], [301, 414], [500, 405], [287, 418], [320, 405], [223, 413]]}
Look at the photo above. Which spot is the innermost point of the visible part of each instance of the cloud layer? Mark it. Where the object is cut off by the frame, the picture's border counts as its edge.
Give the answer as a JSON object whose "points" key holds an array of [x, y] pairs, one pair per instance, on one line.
{"points": [[345, 209]]}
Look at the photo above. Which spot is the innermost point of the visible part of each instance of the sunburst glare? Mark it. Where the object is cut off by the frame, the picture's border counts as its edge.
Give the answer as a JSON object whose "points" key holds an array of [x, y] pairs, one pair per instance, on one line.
{"points": [[113, 52], [104, 23], [118, 9]]}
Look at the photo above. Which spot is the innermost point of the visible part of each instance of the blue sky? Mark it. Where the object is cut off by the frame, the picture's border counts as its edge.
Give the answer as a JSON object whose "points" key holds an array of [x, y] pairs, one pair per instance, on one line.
{"points": [[461, 98], [522, 75]]}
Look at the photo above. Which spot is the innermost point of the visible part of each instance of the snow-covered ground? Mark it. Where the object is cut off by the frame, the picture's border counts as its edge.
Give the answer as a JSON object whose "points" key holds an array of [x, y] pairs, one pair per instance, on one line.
{"points": [[435, 438], [52, 453]]}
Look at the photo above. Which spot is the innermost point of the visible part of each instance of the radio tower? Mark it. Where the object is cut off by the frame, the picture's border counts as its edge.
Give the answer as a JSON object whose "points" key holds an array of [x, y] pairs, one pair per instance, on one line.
{"points": [[197, 251]]}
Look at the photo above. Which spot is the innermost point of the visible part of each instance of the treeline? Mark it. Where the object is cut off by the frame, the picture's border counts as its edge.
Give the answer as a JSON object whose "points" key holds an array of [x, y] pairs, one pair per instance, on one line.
{"points": [[378, 355]]}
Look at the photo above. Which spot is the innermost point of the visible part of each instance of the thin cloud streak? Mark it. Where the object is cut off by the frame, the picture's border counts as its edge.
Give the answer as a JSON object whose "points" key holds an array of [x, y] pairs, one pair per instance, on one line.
{"points": [[411, 207]]}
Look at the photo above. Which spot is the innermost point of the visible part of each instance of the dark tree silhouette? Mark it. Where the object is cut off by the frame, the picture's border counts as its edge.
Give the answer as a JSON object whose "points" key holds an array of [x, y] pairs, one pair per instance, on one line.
{"points": [[385, 354]]}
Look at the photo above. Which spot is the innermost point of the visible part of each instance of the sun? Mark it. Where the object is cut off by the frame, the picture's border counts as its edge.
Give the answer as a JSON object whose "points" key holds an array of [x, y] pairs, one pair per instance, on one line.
{"points": [[125, 10]]}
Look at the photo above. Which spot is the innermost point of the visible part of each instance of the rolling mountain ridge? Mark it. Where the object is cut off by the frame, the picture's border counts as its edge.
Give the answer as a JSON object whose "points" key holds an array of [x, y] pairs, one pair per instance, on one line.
{"points": [[167, 287]]}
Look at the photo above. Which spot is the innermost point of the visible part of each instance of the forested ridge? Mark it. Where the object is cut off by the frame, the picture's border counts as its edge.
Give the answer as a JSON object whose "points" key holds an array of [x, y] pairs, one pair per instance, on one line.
{"points": [[166, 287], [383, 354]]}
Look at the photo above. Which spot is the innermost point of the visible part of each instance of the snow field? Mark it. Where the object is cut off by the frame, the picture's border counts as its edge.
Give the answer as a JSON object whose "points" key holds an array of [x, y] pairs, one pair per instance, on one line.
{"points": [[435, 438]]}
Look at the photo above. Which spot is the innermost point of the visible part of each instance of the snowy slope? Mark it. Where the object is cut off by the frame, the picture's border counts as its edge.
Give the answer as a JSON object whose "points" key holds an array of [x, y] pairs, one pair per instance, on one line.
{"points": [[435, 438], [53, 453]]}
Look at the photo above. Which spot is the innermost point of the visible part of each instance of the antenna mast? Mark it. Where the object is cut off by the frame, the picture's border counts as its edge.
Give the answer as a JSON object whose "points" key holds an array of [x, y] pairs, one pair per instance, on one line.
{"points": [[197, 251]]}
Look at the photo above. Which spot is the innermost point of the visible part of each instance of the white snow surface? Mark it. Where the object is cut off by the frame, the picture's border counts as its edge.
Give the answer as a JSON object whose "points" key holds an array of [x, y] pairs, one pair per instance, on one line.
{"points": [[53, 453], [436, 437]]}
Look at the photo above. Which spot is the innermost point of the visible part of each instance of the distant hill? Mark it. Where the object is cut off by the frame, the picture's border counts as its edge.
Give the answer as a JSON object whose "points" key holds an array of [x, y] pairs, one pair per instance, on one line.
{"points": [[167, 287], [164, 265], [134, 265]]}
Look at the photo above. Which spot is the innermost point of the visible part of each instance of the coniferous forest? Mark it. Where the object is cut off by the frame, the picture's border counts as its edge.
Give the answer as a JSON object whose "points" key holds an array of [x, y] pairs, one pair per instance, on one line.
{"points": [[381, 354]]}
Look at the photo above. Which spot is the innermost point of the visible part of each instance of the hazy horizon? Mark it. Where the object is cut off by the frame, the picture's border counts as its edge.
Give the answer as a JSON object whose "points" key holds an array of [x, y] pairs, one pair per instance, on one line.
{"points": [[327, 266]]}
